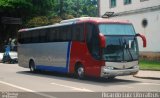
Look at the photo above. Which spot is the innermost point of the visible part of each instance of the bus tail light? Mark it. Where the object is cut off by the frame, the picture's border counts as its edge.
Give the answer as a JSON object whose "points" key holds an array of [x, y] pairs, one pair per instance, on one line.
{"points": [[102, 40], [143, 38]]}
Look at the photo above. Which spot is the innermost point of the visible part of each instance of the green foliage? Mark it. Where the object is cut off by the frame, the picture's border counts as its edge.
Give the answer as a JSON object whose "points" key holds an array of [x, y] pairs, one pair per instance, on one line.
{"points": [[77, 8], [43, 12], [89, 8], [42, 7], [149, 65], [38, 21], [15, 7], [43, 20], [55, 19], [69, 16]]}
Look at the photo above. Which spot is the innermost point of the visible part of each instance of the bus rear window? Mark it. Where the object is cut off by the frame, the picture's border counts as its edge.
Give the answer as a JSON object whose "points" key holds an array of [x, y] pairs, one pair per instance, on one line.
{"points": [[116, 29]]}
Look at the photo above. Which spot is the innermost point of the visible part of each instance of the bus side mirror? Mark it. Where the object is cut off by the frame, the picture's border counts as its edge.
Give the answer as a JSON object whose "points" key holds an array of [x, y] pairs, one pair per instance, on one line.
{"points": [[102, 40], [143, 38]]}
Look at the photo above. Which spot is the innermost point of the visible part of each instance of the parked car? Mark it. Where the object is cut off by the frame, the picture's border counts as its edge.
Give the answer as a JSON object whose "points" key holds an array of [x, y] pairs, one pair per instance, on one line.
{"points": [[10, 57], [1, 57]]}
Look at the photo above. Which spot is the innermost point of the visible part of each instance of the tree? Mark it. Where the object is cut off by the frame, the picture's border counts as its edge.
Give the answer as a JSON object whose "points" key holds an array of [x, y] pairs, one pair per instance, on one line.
{"points": [[37, 21], [15, 8], [76, 8], [42, 7], [89, 8], [65, 9]]}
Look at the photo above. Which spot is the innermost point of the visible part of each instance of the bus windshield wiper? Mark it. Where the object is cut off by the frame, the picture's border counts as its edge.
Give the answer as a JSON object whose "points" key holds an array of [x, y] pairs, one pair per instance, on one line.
{"points": [[129, 51]]}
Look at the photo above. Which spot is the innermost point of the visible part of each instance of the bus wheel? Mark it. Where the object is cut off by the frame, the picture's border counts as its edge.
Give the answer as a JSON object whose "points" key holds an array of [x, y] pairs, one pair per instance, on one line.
{"points": [[80, 72], [32, 66]]}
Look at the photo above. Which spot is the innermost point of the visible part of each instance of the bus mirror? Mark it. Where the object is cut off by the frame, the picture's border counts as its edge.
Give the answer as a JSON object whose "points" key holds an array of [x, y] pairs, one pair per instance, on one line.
{"points": [[143, 38], [102, 40]]}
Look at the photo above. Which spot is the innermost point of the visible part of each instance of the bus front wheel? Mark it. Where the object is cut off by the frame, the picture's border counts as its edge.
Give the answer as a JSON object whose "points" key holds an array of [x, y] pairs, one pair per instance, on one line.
{"points": [[80, 72], [32, 66]]}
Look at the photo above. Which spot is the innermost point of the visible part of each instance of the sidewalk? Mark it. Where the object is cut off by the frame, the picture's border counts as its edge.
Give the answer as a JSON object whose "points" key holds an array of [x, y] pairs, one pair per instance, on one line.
{"points": [[148, 74]]}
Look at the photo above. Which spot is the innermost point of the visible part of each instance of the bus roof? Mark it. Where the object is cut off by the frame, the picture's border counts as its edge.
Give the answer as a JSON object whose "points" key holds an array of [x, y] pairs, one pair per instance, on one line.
{"points": [[43, 27], [78, 20], [94, 19]]}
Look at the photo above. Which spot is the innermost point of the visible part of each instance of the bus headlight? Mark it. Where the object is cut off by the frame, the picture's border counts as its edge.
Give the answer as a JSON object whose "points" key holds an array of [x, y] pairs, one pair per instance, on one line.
{"points": [[135, 66], [110, 67]]}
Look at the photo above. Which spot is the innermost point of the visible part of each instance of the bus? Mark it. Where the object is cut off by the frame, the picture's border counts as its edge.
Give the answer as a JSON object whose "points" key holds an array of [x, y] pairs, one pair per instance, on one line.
{"points": [[86, 46]]}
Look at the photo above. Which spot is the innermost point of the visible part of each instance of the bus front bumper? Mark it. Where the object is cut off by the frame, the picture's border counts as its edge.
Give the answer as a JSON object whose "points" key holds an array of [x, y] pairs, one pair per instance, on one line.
{"points": [[109, 72]]}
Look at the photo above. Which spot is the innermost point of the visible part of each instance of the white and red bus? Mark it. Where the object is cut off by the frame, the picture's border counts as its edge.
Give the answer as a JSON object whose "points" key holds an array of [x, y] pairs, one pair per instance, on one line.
{"points": [[83, 46]]}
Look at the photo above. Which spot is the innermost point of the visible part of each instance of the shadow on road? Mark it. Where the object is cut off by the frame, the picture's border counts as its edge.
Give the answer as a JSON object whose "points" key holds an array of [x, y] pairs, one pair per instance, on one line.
{"points": [[87, 80], [151, 78]]}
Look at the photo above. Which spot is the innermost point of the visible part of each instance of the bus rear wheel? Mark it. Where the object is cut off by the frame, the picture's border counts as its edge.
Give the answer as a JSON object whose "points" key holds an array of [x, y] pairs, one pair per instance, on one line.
{"points": [[32, 66], [80, 72]]}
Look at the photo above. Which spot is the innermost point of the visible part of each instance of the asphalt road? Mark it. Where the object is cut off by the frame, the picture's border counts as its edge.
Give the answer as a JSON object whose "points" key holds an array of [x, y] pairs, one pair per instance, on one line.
{"points": [[17, 79]]}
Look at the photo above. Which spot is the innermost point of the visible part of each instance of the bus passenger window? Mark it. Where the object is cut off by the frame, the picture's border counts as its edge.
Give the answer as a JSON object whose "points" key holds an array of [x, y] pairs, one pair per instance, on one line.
{"points": [[42, 35], [78, 32], [93, 40], [35, 36]]}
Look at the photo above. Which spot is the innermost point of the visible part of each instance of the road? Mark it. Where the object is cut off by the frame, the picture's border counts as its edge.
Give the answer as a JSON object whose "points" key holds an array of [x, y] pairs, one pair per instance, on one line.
{"points": [[17, 79]]}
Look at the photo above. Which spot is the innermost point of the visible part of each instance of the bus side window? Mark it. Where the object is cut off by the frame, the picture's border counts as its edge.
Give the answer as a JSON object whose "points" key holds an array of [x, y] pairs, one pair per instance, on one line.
{"points": [[57, 36], [42, 35], [78, 32], [89, 32], [35, 38], [27, 37], [93, 40], [73, 32], [80, 29], [63, 33], [20, 37], [69, 33], [51, 35], [23, 37]]}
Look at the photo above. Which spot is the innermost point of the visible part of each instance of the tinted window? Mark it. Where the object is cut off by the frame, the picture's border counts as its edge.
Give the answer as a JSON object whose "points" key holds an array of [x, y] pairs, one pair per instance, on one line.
{"points": [[55, 34], [27, 37], [127, 2], [121, 48], [35, 36], [78, 32], [42, 35], [93, 40], [117, 29], [112, 3]]}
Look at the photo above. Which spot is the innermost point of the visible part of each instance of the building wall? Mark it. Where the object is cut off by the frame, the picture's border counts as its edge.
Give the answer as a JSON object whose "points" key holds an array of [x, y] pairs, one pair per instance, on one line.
{"points": [[136, 16], [120, 7], [151, 31]]}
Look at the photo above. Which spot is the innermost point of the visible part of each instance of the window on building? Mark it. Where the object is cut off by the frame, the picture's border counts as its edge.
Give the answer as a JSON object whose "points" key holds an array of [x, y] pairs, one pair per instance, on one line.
{"points": [[112, 3], [143, 0], [127, 2], [144, 23]]}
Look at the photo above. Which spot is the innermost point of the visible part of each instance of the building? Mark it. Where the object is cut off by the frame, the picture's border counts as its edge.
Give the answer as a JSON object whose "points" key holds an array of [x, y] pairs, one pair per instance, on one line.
{"points": [[145, 16]]}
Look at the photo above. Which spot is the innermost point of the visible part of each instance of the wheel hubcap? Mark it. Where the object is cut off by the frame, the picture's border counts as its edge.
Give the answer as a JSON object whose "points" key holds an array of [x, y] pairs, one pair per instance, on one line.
{"points": [[80, 72], [32, 67]]}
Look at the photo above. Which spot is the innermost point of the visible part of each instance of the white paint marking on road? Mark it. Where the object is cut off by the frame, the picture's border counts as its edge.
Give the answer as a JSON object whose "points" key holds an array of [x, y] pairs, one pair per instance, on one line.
{"points": [[27, 90], [126, 86], [150, 83], [74, 88]]}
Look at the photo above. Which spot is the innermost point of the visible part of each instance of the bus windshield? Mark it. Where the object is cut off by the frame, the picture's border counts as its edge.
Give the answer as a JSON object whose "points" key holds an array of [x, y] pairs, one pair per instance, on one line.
{"points": [[121, 42], [116, 29]]}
